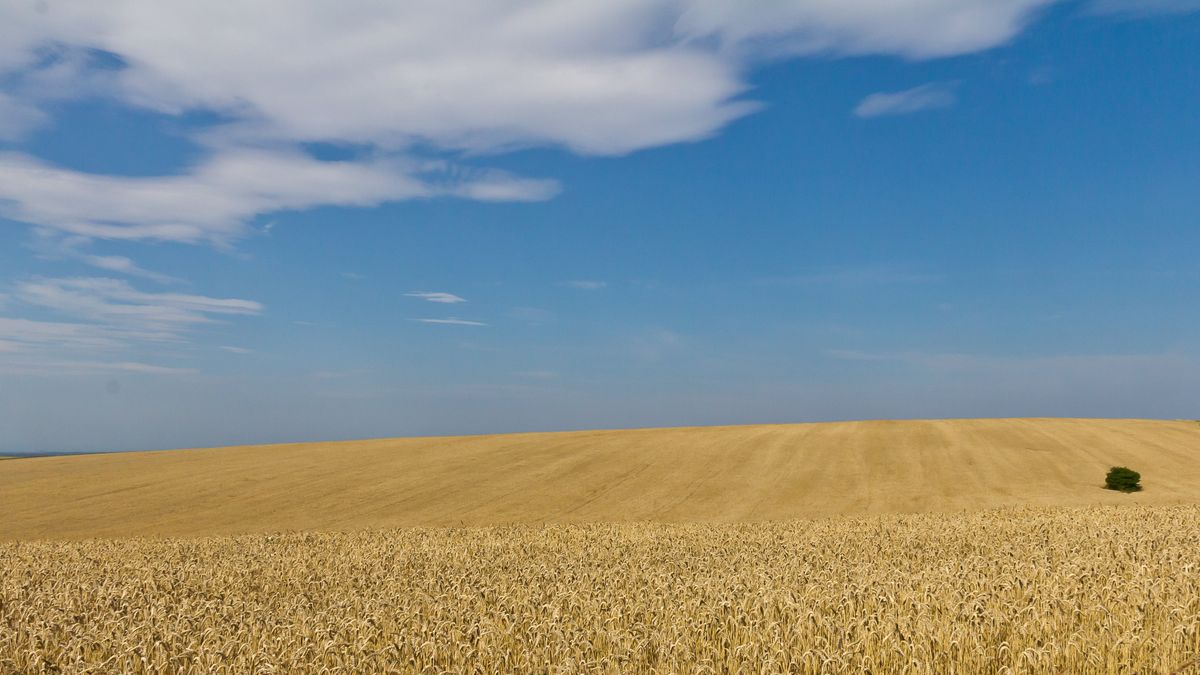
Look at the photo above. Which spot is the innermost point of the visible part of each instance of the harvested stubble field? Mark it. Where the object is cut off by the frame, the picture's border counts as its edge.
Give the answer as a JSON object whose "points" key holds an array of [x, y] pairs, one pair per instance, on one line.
{"points": [[1093, 590]]}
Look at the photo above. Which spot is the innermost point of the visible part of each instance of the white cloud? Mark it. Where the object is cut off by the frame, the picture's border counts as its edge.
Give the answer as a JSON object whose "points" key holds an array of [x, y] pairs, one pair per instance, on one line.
{"points": [[115, 302], [444, 298], [123, 265], [144, 368], [78, 367], [214, 200], [911, 28], [18, 118], [25, 335], [52, 244], [585, 285], [1144, 7], [106, 317], [452, 322], [592, 76], [596, 76], [236, 350], [924, 97]]}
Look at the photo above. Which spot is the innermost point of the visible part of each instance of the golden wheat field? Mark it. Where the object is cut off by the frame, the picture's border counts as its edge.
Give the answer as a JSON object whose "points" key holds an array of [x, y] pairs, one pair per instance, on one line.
{"points": [[960, 546], [1083, 590], [704, 474]]}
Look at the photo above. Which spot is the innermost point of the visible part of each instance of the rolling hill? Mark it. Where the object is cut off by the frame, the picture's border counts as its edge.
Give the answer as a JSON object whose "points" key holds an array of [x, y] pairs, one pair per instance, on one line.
{"points": [[695, 474]]}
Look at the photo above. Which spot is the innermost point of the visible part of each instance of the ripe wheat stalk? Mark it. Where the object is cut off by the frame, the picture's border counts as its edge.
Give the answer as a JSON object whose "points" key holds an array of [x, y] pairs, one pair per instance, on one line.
{"points": [[1029, 591]]}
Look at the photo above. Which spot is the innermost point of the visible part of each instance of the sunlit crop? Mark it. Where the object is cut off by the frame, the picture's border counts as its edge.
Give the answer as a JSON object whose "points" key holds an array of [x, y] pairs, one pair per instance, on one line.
{"points": [[1104, 589]]}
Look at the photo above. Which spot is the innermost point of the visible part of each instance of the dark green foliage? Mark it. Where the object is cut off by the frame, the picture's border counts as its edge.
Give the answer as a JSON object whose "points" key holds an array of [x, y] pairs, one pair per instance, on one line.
{"points": [[1123, 479]]}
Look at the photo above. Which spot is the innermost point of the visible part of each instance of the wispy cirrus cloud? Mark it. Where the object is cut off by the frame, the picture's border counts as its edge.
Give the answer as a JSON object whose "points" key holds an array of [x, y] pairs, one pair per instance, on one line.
{"points": [[98, 321], [18, 118], [124, 265], [443, 298], [50, 245], [28, 335], [214, 201], [925, 97], [116, 302], [65, 367]]}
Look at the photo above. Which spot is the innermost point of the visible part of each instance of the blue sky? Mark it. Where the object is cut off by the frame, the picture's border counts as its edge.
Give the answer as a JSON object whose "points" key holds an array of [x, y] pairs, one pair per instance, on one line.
{"points": [[224, 224]]}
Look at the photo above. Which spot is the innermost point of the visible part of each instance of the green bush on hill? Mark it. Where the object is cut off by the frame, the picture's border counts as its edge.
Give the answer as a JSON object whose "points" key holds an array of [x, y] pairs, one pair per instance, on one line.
{"points": [[1123, 479]]}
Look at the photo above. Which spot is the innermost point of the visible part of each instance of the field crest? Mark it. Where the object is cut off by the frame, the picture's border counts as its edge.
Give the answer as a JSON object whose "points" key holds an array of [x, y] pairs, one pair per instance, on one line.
{"points": [[698, 474]]}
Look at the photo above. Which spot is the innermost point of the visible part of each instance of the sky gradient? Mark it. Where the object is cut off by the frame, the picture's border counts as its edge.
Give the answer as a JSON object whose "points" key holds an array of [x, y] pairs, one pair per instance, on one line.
{"points": [[222, 225]]}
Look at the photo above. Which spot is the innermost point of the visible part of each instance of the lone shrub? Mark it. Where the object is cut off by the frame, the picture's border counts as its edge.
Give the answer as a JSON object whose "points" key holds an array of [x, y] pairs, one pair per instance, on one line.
{"points": [[1123, 479]]}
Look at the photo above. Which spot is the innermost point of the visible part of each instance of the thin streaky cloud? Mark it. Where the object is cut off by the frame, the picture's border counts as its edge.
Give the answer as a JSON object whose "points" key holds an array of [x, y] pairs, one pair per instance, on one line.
{"points": [[104, 318], [50, 245], [439, 297], [116, 302], [925, 97], [27, 335], [17, 118], [68, 367], [214, 200], [123, 265], [136, 367]]}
